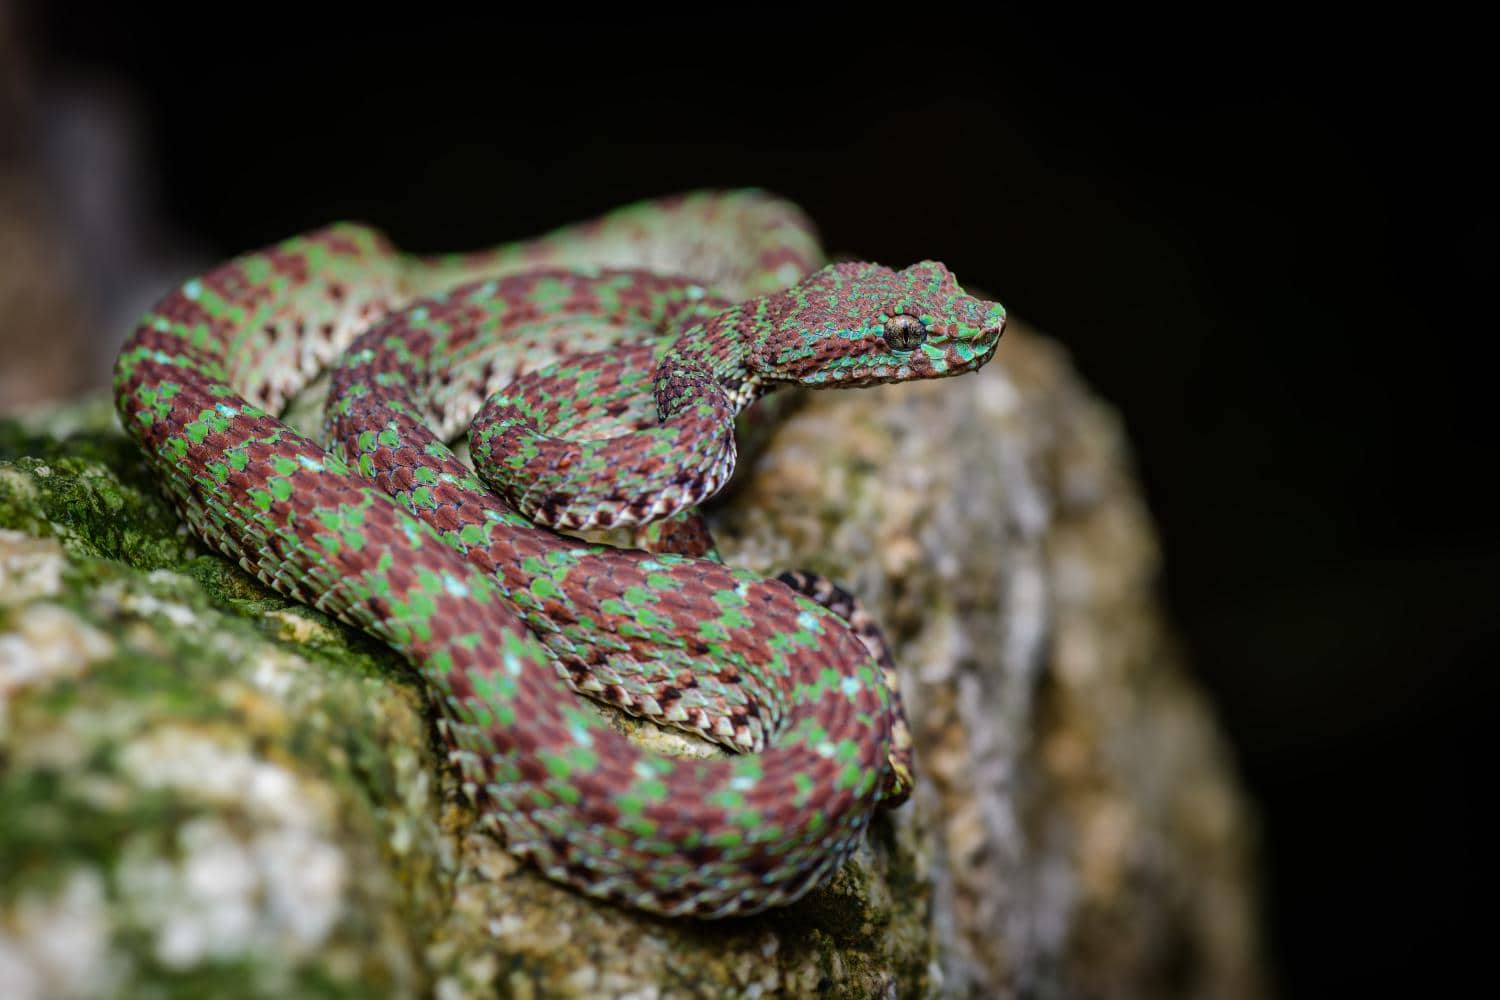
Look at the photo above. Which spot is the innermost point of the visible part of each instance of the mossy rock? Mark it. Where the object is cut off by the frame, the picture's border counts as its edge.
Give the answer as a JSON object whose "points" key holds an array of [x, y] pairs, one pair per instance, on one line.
{"points": [[206, 789]]}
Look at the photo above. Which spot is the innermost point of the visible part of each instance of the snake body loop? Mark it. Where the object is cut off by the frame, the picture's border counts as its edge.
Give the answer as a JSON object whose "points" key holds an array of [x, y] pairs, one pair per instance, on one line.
{"points": [[619, 388]]}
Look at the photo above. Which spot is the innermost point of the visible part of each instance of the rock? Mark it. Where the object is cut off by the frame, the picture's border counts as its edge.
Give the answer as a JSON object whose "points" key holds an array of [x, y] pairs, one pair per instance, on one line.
{"points": [[206, 787]]}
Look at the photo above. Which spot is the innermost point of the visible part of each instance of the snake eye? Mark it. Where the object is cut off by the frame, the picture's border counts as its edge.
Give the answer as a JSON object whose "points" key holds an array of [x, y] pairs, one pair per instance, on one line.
{"points": [[902, 333]]}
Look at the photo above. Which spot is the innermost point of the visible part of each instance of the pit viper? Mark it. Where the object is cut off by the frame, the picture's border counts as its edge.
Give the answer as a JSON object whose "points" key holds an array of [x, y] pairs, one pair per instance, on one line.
{"points": [[619, 352]]}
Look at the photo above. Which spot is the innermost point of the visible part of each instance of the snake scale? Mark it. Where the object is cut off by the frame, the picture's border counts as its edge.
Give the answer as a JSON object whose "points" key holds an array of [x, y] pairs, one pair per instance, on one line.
{"points": [[620, 351]]}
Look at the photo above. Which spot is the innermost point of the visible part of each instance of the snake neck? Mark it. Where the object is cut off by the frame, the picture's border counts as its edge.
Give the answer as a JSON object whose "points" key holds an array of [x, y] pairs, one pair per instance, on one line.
{"points": [[720, 352]]}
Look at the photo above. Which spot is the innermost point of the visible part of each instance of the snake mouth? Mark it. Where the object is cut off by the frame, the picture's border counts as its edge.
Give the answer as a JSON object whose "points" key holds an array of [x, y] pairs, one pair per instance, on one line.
{"points": [[990, 332], [972, 352]]}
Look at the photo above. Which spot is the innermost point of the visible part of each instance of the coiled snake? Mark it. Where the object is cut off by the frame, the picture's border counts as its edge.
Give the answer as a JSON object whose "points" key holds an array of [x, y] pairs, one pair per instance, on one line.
{"points": [[621, 365]]}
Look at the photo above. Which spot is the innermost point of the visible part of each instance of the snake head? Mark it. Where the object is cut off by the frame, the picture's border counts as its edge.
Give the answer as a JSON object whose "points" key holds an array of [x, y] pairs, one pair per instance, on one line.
{"points": [[855, 324]]}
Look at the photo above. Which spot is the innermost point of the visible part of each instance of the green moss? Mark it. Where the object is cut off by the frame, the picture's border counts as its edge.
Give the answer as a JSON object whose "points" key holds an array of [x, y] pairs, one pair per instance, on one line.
{"points": [[182, 644], [251, 979], [91, 492], [52, 827]]}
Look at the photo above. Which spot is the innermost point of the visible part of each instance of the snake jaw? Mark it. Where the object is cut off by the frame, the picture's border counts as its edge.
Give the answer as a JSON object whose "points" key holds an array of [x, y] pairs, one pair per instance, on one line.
{"points": [[971, 342]]}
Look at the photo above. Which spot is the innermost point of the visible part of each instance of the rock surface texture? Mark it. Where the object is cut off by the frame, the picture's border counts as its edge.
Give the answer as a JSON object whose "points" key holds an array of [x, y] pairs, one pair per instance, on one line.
{"points": [[207, 789]]}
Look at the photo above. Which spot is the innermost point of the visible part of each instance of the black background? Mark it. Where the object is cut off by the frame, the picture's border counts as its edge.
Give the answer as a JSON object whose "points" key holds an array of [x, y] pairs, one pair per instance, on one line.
{"points": [[1254, 236]]}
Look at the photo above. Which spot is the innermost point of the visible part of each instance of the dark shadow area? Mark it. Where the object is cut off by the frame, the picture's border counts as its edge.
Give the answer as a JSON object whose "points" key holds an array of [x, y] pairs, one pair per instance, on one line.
{"points": [[1254, 247]]}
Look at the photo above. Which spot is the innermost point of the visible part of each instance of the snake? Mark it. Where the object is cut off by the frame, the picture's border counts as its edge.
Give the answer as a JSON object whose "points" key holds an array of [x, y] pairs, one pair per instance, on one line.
{"points": [[602, 366]]}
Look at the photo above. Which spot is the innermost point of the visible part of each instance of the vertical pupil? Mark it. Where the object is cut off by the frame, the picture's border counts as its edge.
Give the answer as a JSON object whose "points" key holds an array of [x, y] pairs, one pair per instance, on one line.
{"points": [[904, 332]]}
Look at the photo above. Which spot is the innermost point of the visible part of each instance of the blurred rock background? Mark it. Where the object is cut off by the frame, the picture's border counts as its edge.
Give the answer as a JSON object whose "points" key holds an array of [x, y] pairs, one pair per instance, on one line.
{"points": [[83, 245]]}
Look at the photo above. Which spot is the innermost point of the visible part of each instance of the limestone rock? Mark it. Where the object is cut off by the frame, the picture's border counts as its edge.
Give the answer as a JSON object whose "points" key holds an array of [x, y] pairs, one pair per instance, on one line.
{"points": [[207, 788]]}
